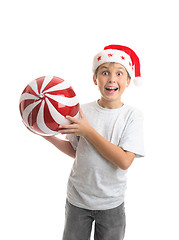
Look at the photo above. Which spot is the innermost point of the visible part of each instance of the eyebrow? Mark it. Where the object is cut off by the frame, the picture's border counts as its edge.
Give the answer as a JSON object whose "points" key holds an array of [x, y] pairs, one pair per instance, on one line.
{"points": [[103, 67]]}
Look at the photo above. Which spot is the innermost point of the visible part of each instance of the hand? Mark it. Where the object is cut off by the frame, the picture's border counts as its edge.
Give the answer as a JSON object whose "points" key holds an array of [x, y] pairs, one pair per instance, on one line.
{"points": [[80, 127]]}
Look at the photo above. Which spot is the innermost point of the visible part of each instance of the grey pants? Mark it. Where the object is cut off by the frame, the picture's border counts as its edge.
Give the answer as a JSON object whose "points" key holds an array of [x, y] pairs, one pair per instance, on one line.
{"points": [[109, 224]]}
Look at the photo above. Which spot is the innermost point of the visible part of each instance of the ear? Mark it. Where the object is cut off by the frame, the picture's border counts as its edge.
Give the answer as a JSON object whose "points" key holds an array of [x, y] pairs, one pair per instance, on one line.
{"points": [[94, 80], [128, 82]]}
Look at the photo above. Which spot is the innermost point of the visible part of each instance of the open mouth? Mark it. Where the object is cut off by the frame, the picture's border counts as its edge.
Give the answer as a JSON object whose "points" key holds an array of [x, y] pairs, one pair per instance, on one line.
{"points": [[111, 89]]}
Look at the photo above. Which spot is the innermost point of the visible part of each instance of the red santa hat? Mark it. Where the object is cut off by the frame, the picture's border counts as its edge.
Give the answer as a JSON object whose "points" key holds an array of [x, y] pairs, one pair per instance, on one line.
{"points": [[123, 55]]}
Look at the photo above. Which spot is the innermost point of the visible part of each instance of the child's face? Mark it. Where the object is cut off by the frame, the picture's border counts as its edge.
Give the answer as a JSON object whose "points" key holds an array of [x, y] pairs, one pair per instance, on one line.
{"points": [[112, 80]]}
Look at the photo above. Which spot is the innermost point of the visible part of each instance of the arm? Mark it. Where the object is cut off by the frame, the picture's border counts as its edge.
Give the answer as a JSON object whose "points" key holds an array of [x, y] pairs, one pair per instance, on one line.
{"points": [[111, 152], [62, 145]]}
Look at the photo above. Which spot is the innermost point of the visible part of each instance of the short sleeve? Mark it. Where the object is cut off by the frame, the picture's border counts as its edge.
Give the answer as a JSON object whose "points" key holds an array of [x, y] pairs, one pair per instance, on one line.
{"points": [[132, 136], [73, 139]]}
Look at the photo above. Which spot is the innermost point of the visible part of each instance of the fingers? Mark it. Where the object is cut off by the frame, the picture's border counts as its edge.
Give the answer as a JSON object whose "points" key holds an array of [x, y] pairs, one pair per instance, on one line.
{"points": [[81, 113], [67, 131], [74, 127], [72, 119], [75, 120], [69, 126]]}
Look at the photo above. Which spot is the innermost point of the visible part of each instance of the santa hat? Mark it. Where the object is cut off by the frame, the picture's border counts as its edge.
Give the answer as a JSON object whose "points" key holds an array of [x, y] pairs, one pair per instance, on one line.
{"points": [[123, 55]]}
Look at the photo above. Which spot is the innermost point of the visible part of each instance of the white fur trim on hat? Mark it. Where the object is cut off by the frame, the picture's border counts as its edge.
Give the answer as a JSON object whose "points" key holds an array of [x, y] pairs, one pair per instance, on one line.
{"points": [[112, 55]]}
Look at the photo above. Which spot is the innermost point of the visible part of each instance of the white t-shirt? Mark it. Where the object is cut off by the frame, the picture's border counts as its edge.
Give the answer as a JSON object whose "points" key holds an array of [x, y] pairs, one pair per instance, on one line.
{"points": [[95, 183]]}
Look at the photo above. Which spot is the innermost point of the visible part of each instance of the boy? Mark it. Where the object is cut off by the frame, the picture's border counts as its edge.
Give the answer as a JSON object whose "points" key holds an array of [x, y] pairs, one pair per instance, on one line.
{"points": [[104, 143]]}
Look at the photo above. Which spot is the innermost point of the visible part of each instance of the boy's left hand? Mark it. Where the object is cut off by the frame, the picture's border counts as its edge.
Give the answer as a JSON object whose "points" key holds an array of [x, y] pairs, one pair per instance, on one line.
{"points": [[80, 127]]}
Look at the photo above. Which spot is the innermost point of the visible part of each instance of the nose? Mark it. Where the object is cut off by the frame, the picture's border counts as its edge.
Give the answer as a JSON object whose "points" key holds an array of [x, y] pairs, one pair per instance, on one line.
{"points": [[111, 79]]}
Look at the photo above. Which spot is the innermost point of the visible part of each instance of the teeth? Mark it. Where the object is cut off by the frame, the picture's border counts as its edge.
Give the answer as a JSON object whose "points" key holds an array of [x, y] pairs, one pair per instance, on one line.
{"points": [[111, 88]]}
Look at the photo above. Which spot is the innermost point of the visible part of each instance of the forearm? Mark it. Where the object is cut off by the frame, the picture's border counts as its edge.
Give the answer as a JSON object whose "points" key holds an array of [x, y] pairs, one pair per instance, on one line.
{"points": [[111, 152], [62, 145]]}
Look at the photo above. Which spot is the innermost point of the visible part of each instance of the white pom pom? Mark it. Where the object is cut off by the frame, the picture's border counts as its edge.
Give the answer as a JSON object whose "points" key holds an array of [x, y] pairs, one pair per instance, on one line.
{"points": [[138, 81]]}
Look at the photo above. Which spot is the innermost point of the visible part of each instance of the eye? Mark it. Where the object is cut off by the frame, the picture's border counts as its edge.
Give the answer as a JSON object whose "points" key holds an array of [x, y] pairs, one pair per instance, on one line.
{"points": [[119, 73], [105, 73]]}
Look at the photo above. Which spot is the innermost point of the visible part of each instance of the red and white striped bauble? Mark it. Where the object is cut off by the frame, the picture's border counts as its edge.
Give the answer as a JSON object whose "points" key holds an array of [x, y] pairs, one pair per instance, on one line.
{"points": [[45, 102]]}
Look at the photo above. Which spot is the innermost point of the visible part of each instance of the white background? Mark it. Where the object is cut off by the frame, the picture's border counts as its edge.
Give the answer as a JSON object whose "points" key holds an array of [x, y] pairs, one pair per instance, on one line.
{"points": [[60, 38]]}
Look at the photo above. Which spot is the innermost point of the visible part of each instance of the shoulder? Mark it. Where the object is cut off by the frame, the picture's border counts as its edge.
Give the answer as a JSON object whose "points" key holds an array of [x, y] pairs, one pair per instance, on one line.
{"points": [[133, 112], [88, 106]]}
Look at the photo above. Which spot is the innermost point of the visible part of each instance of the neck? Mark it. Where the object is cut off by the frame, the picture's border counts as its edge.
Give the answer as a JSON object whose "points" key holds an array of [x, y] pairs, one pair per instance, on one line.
{"points": [[110, 105]]}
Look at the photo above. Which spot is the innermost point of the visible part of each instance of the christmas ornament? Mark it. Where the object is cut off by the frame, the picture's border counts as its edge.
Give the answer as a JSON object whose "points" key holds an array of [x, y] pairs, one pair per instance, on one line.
{"points": [[44, 104]]}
